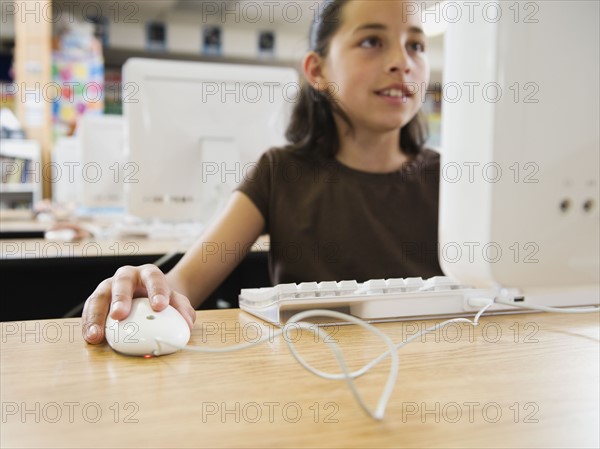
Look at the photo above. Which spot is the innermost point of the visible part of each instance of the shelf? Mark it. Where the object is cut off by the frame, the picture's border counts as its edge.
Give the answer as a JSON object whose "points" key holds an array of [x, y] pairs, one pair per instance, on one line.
{"points": [[116, 57], [19, 193], [18, 187], [22, 149]]}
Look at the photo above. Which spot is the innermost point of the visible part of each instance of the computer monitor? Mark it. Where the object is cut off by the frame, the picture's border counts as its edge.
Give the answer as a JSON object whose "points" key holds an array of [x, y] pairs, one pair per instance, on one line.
{"points": [[66, 154], [519, 192], [102, 168], [195, 129]]}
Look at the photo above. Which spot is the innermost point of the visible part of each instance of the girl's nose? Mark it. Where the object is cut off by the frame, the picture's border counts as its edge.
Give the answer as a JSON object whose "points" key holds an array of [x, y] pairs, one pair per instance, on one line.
{"points": [[399, 61]]}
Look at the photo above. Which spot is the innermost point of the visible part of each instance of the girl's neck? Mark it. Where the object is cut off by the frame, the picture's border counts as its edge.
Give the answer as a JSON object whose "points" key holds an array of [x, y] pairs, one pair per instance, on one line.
{"points": [[371, 152]]}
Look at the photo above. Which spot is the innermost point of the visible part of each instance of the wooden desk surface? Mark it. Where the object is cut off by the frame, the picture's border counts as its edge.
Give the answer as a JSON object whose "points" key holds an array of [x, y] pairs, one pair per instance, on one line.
{"points": [[515, 381], [22, 225]]}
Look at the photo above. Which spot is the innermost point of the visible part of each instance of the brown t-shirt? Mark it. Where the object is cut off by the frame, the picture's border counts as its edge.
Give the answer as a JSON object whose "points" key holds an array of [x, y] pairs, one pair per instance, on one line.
{"points": [[329, 222]]}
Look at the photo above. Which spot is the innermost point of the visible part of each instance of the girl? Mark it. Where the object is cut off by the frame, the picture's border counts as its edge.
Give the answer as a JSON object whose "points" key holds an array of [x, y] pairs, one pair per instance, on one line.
{"points": [[354, 195]]}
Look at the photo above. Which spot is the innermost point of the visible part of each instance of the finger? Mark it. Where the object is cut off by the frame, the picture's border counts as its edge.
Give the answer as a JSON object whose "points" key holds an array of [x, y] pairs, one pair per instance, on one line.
{"points": [[183, 306], [94, 313], [157, 286], [124, 282]]}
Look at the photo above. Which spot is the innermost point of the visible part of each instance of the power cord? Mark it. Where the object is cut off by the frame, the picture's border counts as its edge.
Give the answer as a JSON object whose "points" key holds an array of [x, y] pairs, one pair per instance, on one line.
{"points": [[477, 302], [547, 309]]}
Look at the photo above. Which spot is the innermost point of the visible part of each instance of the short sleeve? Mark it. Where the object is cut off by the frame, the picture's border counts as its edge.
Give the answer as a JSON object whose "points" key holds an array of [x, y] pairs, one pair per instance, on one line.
{"points": [[257, 182]]}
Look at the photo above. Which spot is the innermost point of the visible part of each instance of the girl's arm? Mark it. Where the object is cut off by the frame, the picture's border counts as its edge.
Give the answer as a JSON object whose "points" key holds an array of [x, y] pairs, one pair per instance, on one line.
{"points": [[218, 251], [204, 266]]}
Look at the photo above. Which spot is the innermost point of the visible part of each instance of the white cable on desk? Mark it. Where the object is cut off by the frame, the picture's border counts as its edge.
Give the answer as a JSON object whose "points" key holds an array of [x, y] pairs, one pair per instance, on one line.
{"points": [[295, 320], [379, 412], [346, 375], [545, 308]]}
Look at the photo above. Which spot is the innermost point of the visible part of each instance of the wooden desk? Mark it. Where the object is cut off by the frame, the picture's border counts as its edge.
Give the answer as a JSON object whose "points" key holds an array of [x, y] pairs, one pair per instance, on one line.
{"points": [[516, 381], [20, 229]]}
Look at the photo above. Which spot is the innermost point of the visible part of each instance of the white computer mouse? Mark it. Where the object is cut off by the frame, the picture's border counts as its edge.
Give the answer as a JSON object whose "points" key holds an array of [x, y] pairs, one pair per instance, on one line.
{"points": [[146, 332]]}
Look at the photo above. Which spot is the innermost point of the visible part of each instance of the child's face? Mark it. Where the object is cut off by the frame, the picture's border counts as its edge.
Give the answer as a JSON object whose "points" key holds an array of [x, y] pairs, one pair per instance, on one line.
{"points": [[378, 47]]}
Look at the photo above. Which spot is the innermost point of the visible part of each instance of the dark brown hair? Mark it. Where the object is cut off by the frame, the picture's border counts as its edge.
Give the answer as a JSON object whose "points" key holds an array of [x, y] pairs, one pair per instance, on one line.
{"points": [[312, 129]]}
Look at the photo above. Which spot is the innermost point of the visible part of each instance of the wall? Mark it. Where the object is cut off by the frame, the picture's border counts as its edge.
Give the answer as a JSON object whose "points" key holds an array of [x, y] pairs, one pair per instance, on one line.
{"points": [[289, 19]]}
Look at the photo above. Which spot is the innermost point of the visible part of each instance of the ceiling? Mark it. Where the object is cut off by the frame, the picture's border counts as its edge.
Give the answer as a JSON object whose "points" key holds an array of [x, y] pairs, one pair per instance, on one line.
{"points": [[292, 13]]}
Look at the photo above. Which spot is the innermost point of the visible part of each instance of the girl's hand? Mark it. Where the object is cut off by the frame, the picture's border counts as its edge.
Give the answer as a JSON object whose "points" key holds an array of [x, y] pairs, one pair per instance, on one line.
{"points": [[116, 293]]}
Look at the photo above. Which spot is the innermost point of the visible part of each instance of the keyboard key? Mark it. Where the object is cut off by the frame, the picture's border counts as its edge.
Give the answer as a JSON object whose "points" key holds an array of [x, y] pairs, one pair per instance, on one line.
{"points": [[412, 284], [395, 285], [308, 290], [437, 283], [259, 295], [328, 288], [347, 287], [286, 291], [375, 286]]}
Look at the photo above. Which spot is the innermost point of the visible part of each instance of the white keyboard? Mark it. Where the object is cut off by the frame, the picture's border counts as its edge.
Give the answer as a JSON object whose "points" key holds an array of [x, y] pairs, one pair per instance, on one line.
{"points": [[402, 299], [373, 300]]}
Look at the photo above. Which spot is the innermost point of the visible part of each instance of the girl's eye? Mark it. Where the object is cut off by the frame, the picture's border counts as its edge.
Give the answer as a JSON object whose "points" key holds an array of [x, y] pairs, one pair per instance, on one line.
{"points": [[371, 42], [417, 46]]}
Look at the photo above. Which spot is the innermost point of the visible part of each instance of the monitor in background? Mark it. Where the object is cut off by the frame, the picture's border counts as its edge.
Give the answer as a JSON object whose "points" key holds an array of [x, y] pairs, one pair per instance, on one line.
{"points": [[103, 167], [519, 190], [195, 129], [66, 155]]}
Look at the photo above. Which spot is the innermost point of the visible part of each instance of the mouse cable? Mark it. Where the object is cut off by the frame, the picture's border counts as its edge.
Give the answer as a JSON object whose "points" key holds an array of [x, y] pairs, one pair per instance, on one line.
{"points": [[295, 321], [379, 412], [78, 309], [546, 308]]}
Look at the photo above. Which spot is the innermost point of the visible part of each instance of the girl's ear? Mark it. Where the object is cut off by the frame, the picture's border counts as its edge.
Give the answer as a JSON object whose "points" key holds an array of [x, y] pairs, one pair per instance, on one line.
{"points": [[313, 71]]}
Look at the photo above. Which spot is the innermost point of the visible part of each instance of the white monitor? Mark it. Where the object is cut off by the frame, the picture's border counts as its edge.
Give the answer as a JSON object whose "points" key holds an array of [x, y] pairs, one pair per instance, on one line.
{"points": [[102, 168], [66, 155], [519, 192], [195, 129]]}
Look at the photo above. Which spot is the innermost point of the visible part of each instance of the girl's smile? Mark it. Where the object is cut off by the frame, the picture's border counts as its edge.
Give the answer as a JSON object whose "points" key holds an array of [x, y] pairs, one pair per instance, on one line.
{"points": [[395, 94]]}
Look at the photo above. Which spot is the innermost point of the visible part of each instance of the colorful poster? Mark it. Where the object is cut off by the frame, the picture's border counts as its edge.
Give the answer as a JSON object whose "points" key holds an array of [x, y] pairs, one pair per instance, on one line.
{"points": [[78, 89]]}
